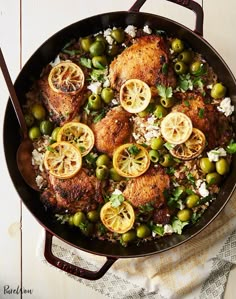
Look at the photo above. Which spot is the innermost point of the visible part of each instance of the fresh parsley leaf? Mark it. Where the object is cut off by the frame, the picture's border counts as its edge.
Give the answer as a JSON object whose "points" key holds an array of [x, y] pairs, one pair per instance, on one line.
{"points": [[71, 52], [98, 75], [159, 230], [86, 62], [191, 178], [201, 113], [164, 69], [178, 225], [62, 218], [116, 200], [185, 83], [231, 148], [169, 146], [196, 216], [50, 149], [146, 208], [164, 92], [99, 116], [133, 150], [186, 103]]}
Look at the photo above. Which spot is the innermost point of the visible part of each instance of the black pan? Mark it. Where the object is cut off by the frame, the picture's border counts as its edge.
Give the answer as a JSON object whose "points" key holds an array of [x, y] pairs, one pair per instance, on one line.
{"points": [[46, 53]]}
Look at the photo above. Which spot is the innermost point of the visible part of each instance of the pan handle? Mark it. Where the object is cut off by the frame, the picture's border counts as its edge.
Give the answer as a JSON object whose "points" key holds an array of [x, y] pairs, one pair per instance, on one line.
{"points": [[72, 269], [190, 4]]}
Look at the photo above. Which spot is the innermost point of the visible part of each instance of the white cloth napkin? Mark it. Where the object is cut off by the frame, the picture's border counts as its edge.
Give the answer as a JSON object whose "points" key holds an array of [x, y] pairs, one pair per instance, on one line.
{"points": [[198, 268]]}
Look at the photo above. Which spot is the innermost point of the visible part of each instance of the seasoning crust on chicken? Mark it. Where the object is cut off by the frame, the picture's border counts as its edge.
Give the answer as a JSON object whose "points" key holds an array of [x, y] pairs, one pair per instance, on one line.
{"points": [[148, 188], [81, 192], [112, 131], [143, 60], [62, 107]]}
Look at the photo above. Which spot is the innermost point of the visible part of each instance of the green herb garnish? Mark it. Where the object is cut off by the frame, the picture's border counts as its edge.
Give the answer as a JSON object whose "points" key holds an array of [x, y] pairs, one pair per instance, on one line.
{"points": [[231, 148], [116, 199], [133, 150], [164, 92], [86, 62], [201, 113], [178, 225]]}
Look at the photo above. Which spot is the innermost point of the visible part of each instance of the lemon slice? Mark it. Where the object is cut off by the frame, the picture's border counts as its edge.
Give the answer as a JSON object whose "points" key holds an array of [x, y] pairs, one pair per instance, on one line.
{"points": [[191, 148], [135, 95], [63, 160], [176, 127], [66, 77], [131, 160], [119, 219], [77, 134]]}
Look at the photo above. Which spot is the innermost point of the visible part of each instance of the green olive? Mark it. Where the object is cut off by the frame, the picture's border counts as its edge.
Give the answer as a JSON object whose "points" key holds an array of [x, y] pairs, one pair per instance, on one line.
{"points": [[160, 111], [207, 165], [78, 218], [38, 111], [166, 160], [197, 68], [184, 215], [46, 127], [118, 35], [180, 68], [113, 50], [154, 155], [167, 102], [93, 216], [213, 178], [192, 200], [85, 43], [29, 120], [70, 221], [114, 175], [103, 160], [222, 166], [34, 133], [99, 62], [102, 172], [218, 91], [143, 231], [54, 133], [185, 56], [97, 48], [157, 143], [94, 102], [129, 236], [100, 38], [107, 94], [177, 45]]}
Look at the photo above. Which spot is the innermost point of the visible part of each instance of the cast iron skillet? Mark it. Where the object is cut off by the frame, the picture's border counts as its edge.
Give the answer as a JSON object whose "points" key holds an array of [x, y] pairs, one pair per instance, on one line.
{"points": [[46, 53]]}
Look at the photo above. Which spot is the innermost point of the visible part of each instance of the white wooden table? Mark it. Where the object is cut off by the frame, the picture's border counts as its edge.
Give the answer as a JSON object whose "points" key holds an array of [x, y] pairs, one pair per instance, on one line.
{"points": [[24, 26]]}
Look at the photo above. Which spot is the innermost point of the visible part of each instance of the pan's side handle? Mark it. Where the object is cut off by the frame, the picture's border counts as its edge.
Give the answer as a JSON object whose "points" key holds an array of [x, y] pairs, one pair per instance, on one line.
{"points": [[72, 269], [190, 4]]}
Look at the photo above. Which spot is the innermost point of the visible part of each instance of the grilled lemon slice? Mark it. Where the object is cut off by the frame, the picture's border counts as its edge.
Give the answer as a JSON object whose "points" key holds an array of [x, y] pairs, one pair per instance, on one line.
{"points": [[63, 160], [118, 219], [66, 77]]}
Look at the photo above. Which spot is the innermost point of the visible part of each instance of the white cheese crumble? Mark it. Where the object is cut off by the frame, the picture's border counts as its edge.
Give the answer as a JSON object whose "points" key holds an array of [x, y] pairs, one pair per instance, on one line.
{"points": [[131, 30], [181, 205], [107, 32], [95, 87], [226, 107], [147, 29], [117, 192], [168, 229], [106, 83], [216, 153], [202, 189], [55, 61], [37, 159], [109, 39], [39, 181]]}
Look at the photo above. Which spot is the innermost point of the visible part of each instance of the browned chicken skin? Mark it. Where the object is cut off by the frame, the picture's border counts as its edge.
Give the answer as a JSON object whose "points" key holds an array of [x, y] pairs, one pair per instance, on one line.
{"points": [[112, 131], [82, 192], [143, 60], [62, 107], [206, 118], [148, 188]]}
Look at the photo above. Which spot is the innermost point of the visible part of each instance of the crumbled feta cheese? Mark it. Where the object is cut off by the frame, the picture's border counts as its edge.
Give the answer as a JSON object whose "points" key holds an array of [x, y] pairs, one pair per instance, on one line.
{"points": [[114, 102], [117, 192], [147, 29], [39, 181], [226, 107], [202, 189], [95, 87], [216, 153], [168, 229], [209, 86], [37, 159], [109, 40], [106, 83], [131, 30], [55, 61], [107, 32]]}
